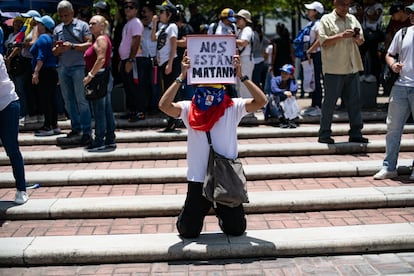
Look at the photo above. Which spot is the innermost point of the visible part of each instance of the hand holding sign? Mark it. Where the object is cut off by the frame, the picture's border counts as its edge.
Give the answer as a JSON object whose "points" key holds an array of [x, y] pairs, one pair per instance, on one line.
{"points": [[212, 59]]}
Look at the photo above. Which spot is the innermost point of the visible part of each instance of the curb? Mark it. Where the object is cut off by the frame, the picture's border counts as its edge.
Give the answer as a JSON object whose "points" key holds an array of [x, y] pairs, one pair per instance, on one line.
{"points": [[101, 249]]}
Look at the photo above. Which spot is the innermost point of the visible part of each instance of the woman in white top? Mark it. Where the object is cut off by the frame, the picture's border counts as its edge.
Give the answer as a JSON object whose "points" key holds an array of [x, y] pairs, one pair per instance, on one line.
{"points": [[9, 129]]}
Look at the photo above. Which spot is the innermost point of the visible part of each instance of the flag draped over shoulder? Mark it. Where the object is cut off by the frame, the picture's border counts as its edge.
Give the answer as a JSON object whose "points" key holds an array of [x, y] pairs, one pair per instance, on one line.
{"points": [[24, 31]]}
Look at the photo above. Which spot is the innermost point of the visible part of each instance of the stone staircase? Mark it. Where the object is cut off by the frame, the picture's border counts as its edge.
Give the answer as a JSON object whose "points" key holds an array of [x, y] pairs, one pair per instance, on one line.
{"points": [[120, 206]]}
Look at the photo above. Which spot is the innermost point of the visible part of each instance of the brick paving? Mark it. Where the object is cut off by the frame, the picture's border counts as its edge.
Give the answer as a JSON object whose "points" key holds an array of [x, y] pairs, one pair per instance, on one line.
{"points": [[368, 264]]}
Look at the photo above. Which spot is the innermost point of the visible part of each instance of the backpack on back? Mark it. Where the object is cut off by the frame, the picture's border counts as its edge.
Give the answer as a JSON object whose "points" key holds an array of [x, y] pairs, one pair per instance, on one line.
{"points": [[301, 43]]}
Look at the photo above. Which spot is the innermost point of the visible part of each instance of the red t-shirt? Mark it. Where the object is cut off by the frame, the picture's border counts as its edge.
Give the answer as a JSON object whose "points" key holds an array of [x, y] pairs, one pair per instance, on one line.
{"points": [[90, 55]]}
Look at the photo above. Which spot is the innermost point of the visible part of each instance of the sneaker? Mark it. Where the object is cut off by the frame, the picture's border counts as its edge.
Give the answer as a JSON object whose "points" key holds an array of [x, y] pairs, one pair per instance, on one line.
{"points": [[56, 131], [358, 140], [171, 125], [30, 119], [86, 140], [385, 174], [411, 178], [73, 134], [136, 117], [315, 112], [21, 121], [111, 146], [326, 140], [21, 197], [44, 131], [292, 124], [307, 111], [95, 148]]}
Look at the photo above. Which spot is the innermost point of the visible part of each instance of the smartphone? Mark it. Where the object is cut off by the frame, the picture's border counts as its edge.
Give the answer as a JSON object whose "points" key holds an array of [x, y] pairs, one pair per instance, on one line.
{"points": [[356, 31]]}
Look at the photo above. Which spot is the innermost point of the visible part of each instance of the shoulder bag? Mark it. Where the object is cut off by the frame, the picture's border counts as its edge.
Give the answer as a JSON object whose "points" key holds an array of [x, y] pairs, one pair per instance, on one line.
{"points": [[98, 86], [225, 181]]}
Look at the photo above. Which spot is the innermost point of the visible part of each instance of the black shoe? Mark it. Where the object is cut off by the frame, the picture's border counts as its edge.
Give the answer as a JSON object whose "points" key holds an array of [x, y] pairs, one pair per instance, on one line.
{"points": [[136, 117], [172, 124], [292, 124], [327, 140], [86, 140], [73, 134], [95, 148], [358, 140]]}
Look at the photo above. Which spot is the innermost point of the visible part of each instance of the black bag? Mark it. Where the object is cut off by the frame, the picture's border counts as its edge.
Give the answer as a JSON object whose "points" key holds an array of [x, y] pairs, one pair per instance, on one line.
{"points": [[225, 181], [17, 66], [98, 86]]}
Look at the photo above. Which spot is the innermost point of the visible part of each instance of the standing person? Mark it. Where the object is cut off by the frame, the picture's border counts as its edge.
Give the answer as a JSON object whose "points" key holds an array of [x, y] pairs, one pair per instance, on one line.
{"points": [[9, 130], [45, 75], [341, 64], [282, 52], [150, 83], [97, 60], [196, 18], [259, 48], [128, 53], [166, 37], [401, 102], [72, 37], [314, 12], [226, 24], [221, 119], [244, 43]]}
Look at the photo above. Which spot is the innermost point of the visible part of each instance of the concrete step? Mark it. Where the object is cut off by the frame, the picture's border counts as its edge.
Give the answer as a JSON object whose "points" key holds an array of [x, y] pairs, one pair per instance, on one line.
{"points": [[171, 152], [178, 175], [104, 249], [243, 133], [170, 205]]}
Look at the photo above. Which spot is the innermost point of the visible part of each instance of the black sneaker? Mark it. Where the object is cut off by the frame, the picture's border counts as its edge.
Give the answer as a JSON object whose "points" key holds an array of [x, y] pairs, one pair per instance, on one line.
{"points": [[292, 124], [86, 140], [73, 134], [136, 117], [172, 124], [44, 131], [358, 140], [111, 146], [94, 148], [326, 140]]}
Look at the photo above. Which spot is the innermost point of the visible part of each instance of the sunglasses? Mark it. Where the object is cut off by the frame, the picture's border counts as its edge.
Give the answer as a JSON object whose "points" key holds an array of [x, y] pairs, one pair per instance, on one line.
{"points": [[129, 7]]}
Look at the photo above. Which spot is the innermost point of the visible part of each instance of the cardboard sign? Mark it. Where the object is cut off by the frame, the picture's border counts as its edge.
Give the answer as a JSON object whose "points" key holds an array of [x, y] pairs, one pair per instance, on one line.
{"points": [[211, 58]]}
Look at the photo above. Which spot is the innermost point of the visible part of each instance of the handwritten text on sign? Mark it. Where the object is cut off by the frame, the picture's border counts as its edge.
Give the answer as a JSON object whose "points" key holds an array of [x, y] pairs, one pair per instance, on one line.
{"points": [[211, 59]]}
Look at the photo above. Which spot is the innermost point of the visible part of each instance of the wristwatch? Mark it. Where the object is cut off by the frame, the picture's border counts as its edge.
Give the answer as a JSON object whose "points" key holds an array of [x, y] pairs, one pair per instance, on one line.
{"points": [[244, 78], [178, 80], [72, 46], [130, 60]]}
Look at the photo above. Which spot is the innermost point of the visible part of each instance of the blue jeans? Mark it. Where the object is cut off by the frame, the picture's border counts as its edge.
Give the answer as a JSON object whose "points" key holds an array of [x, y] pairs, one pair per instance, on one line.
{"points": [[73, 92], [399, 108], [9, 129], [104, 121], [348, 87]]}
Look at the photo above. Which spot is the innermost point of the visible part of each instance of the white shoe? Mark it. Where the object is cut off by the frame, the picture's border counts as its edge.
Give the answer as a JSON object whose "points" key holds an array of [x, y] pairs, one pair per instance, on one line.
{"points": [[21, 197], [21, 121], [385, 174]]}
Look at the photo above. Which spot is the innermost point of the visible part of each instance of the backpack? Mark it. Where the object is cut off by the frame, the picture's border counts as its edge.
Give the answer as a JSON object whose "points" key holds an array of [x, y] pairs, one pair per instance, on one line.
{"points": [[301, 43], [216, 25]]}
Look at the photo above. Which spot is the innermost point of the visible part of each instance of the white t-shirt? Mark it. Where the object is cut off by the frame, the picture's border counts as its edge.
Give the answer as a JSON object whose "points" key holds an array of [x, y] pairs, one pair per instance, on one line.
{"points": [[7, 91], [222, 29], [163, 54], [148, 47], [246, 34], [223, 137], [312, 34], [406, 56]]}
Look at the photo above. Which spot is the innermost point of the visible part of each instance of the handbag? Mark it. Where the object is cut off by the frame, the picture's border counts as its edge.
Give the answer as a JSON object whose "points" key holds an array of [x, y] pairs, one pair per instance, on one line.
{"points": [[225, 181], [308, 76], [98, 86]]}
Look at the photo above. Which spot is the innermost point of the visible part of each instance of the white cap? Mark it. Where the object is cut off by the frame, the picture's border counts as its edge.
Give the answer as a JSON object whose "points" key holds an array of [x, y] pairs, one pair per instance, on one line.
{"points": [[317, 6]]}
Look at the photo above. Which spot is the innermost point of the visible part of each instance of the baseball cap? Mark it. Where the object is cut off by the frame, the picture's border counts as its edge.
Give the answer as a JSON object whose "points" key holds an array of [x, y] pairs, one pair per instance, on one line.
{"points": [[167, 6], [102, 5], [317, 6], [229, 14], [396, 7], [410, 8], [47, 21], [30, 14], [288, 68], [245, 14]]}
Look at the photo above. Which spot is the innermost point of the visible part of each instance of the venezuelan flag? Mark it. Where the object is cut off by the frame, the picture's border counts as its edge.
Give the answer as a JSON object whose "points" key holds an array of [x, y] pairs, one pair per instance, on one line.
{"points": [[24, 31]]}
